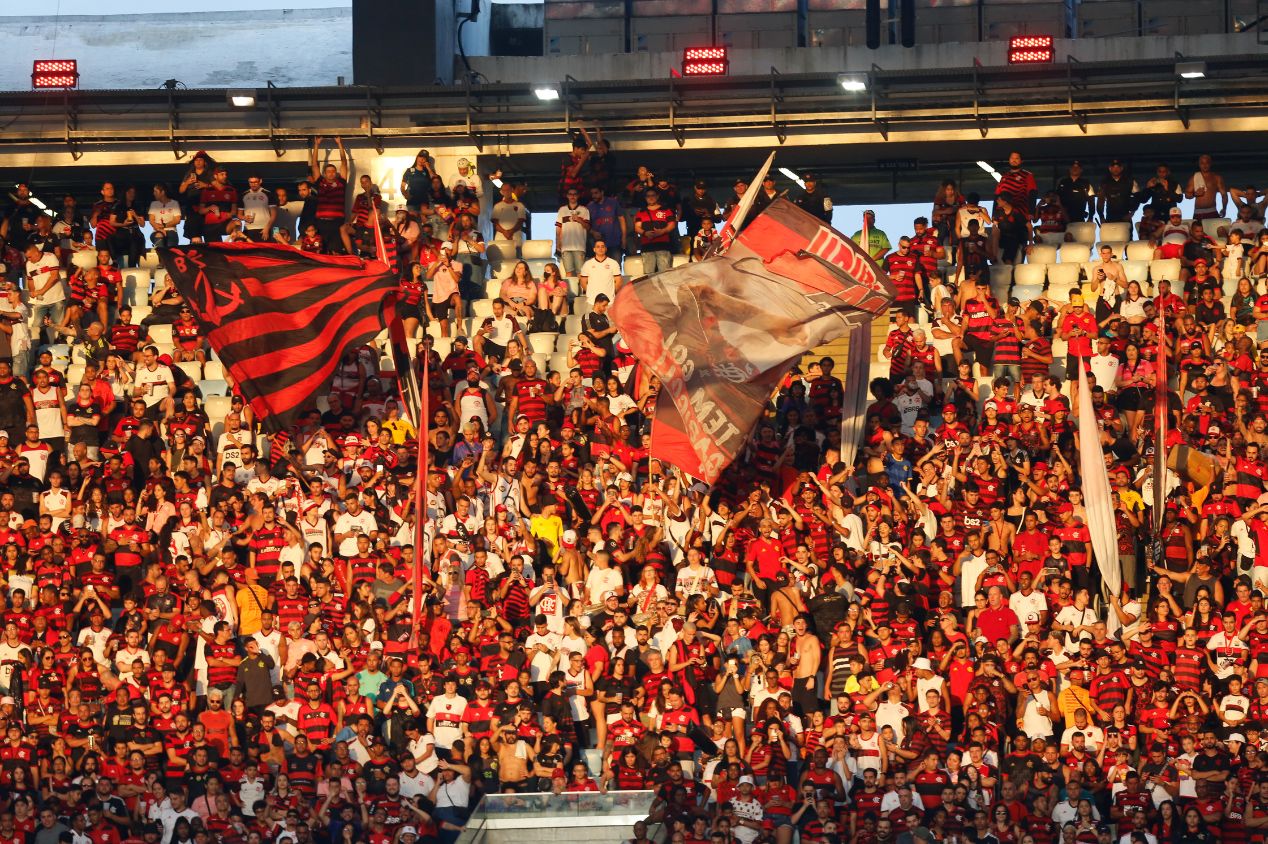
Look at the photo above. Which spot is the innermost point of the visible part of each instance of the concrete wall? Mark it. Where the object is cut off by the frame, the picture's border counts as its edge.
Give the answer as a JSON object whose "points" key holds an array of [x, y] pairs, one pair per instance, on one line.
{"points": [[818, 60]]}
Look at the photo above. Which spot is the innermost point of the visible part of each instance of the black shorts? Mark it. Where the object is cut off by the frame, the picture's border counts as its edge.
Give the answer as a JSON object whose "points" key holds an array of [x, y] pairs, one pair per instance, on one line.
{"points": [[329, 231], [493, 350], [980, 347]]}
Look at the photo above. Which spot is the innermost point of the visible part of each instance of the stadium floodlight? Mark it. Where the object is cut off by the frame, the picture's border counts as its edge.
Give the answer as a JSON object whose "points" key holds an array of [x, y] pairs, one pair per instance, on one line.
{"points": [[853, 83], [986, 165], [546, 93], [55, 73], [240, 98], [1191, 70]]}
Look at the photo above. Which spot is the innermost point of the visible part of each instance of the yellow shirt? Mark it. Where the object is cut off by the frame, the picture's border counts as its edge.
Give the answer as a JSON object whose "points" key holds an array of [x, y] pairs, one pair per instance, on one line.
{"points": [[551, 530], [400, 429], [251, 600], [1072, 698]]}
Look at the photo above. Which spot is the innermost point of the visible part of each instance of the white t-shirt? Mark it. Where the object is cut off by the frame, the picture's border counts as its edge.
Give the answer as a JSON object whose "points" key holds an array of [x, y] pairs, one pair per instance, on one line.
{"points": [[1024, 605], [48, 412], [1073, 616], [362, 522], [167, 213], [37, 275], [447, 714], [572, 235], [507, 214], [1104, 370], [158, 379], [600, 276], [255, 209]]}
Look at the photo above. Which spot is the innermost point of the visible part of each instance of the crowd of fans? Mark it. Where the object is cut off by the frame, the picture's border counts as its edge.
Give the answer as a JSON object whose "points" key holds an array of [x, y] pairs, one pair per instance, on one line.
{"points": [[209, 633]]}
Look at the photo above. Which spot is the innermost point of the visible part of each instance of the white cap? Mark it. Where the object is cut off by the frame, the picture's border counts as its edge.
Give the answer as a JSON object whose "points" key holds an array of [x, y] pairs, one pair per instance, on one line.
{"points": [[464, 162], [408, 830], [922, 664], [745, 779], [376, 646], [1231, 736]]}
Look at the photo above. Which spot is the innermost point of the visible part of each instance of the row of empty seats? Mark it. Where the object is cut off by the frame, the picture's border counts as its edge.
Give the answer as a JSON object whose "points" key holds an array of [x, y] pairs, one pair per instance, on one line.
{"points": [[1122, 232]]}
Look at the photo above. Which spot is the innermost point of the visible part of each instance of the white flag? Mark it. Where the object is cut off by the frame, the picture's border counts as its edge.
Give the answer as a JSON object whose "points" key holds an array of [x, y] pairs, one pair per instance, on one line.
{"points": [[1098, 499]]}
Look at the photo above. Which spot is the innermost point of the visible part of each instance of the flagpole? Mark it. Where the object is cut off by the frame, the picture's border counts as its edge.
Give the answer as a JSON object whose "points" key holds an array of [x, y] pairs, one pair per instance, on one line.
{"points": [[1161, 418], [420, 499]]}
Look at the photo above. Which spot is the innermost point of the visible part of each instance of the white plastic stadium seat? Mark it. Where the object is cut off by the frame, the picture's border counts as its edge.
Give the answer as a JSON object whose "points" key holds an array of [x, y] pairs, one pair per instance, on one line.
{"points": [[1140, 250], [1116, 231], [213, 370], [1212, 227], [1029, 275], [559, 362], [161, 335], [572, 325], [542, 343], [499, 251], [1061, 278], [74, 374], [217, 406], [1001, 280], [192, 368], [1082, 232], [1164, 269], [481, 308], [213, 387], [136, 286], [1137, 271], [1074, 253], [1042, 253], [541, 250], [493, 287], [633, 266]]}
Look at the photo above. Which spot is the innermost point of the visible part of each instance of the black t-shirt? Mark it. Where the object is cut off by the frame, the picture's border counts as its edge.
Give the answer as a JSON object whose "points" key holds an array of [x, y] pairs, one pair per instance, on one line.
{"points": [[118, 722], [12, 404], [1218, 761], [1074, 197]]}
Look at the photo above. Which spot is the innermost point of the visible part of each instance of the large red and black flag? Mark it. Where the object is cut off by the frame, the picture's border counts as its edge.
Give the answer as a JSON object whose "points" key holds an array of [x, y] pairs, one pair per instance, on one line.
{"points": [[281, 319], [721, 333]]}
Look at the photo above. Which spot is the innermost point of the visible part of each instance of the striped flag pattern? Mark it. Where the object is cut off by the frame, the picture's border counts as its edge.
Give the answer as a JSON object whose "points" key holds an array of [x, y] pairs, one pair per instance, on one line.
{"points": [[280, 319]]}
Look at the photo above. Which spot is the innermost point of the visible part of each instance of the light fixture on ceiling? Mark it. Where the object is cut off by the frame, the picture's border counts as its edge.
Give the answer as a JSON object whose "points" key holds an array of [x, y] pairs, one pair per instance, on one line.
{"points": [[240, 98], [852, 83], [1191, 70]]}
